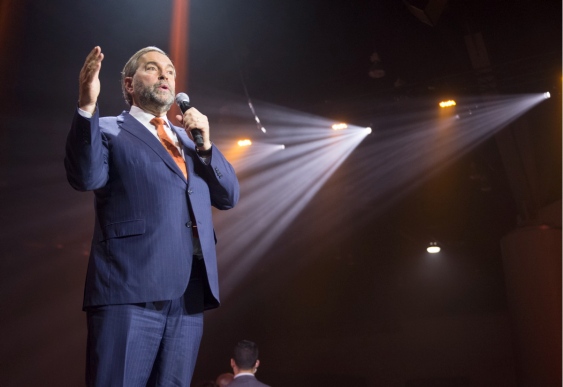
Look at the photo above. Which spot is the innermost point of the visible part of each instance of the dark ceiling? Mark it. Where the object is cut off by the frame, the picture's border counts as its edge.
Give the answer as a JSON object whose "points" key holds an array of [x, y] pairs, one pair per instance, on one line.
{"points": [[357, 311]]}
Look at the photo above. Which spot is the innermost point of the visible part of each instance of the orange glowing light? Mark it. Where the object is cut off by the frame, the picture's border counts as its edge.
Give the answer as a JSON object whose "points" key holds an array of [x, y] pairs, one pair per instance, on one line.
{"points": [[449, 103]]}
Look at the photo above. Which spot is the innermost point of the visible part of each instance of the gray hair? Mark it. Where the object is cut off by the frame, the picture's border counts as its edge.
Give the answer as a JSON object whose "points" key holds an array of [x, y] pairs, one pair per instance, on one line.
{"points": [[131, 67]]}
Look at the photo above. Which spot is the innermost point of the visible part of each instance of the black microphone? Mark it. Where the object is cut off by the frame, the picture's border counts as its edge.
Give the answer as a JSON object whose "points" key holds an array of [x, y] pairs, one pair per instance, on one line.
{"points": [[183, 102]]}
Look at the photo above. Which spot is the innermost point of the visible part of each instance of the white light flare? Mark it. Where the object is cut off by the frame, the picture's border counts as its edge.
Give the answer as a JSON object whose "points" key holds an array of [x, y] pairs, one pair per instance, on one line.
{"points": [[433, 248], [275, 187], [340, 126]]}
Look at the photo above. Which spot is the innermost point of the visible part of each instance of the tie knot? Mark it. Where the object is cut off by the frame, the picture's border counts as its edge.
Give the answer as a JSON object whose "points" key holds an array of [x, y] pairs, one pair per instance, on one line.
{"points": [[156, 121]]}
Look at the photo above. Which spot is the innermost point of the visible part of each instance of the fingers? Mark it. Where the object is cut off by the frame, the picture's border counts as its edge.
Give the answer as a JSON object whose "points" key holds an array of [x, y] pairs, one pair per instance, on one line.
{"points": [[194, 119], [195, 115], [92, 65], [89, 82]]}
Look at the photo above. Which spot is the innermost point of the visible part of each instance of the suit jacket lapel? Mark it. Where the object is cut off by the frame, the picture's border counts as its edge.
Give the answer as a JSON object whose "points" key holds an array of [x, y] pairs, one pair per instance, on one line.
{"points": [[131, 125], [183, 137], [188, 145]]}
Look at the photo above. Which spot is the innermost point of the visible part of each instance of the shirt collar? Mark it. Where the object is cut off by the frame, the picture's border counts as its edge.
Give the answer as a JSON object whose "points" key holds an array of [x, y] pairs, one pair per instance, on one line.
{"points": [[243, 374], [143, 117]]}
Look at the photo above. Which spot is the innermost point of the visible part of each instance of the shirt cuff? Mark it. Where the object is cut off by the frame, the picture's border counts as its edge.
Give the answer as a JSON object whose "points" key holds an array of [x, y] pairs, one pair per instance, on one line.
{"points": [[84, 113]]}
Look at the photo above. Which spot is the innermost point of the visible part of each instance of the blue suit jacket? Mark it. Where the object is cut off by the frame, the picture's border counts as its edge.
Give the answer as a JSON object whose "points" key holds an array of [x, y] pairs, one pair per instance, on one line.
{"points": [[142, 245]]}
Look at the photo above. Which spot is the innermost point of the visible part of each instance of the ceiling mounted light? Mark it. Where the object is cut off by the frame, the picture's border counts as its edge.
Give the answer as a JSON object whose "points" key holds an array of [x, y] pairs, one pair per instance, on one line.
{"points": [[433, 248], [340, 126], [448, 103]]}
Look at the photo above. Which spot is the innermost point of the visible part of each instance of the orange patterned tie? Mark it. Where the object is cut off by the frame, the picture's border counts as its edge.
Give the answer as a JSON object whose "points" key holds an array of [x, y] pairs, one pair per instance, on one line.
{"points": [[169, 144]]}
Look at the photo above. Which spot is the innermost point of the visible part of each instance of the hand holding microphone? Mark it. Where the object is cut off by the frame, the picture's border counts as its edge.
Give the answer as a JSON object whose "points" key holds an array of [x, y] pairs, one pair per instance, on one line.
{"points": [[194, 122]]}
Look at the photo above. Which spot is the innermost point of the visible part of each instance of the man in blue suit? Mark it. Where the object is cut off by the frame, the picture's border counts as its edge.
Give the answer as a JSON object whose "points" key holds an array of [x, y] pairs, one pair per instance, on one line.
{"points": [[152, 269]]}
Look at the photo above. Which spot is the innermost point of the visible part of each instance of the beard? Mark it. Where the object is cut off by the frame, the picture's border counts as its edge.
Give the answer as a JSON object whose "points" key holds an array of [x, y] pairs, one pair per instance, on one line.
{"points": [[152, 97]]}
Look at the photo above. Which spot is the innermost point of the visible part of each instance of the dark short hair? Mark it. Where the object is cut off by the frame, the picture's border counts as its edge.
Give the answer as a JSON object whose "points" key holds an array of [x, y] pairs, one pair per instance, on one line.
{"points": [[245, 354]]}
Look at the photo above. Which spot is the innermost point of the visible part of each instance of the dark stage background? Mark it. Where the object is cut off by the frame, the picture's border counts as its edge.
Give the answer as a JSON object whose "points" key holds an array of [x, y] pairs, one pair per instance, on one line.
{"points": [[346, 296]]}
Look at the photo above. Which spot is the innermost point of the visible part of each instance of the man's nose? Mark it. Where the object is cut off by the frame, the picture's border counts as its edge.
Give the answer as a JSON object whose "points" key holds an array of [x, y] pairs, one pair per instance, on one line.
{"points": [[163, 75]]}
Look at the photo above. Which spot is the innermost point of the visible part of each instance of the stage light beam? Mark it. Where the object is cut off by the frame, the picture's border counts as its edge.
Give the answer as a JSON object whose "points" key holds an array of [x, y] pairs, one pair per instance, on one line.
{"points": [[277, 186]]}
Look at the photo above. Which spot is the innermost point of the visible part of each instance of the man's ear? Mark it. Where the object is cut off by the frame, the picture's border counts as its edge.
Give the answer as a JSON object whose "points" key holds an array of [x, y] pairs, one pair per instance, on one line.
{"points": [[128, 82], [257, 364], [233, 364]]}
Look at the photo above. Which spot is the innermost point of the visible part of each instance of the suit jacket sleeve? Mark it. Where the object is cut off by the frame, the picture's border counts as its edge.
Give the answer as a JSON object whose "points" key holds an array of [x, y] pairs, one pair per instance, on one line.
{"points": [[221, 178], [86, 160]]}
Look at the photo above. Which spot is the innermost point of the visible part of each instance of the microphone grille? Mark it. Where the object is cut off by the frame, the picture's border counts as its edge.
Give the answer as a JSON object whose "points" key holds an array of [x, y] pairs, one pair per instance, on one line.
{"points": [[182, 98]]}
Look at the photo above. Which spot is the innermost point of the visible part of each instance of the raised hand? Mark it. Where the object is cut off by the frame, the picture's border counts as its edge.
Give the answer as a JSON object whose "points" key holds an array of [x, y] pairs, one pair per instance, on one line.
{"points": [[89, 81]]}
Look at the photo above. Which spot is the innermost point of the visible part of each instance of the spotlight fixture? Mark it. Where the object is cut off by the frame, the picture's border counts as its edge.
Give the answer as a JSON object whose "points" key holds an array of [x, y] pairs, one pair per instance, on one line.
{"points": [[245, 142], [449, 103], [433, 248], [368, 130], [546, 95], [340, 126]]}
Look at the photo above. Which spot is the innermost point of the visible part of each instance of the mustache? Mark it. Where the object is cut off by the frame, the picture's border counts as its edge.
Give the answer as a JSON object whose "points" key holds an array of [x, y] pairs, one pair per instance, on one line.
{"points": [[159, 84]]}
